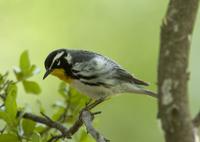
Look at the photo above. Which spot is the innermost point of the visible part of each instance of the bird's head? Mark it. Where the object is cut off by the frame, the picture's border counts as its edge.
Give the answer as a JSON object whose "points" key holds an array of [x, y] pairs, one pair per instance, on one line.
{"points": [[56, 62]]}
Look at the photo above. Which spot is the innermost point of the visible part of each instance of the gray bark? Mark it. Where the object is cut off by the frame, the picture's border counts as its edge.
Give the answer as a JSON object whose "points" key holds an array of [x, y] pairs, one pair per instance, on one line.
{"points": [[173, 74]]}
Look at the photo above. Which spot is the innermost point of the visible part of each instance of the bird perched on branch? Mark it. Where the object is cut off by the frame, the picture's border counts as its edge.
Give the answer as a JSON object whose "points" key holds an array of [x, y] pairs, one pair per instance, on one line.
{"points": [[93, 74]]}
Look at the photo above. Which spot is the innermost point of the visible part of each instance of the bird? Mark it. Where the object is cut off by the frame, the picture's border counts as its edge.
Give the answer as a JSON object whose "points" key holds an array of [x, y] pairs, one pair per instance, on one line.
{"points": [[93, 74]]}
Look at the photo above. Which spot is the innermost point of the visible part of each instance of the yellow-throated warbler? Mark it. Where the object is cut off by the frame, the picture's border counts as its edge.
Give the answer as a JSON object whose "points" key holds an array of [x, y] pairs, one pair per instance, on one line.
{"points": [[92, 74]]}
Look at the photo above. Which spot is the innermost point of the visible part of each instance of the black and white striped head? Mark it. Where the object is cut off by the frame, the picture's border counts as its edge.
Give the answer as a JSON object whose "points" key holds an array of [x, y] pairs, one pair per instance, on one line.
{"points": [[57, 59]]}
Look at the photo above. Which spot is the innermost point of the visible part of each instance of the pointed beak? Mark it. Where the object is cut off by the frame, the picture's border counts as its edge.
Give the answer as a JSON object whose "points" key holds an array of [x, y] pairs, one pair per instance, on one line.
{"points": [[47, 73]]}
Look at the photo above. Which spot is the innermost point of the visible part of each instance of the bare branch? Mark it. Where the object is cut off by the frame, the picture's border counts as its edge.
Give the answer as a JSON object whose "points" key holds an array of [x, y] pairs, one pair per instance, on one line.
{"points": [[78, 122], [173, 75], [63, 116], [65, 133], [87, 118], [49, 123]]}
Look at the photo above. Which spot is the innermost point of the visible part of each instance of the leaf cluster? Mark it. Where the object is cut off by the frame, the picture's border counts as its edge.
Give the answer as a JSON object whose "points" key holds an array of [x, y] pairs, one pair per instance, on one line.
{"points": [[14, 128]]}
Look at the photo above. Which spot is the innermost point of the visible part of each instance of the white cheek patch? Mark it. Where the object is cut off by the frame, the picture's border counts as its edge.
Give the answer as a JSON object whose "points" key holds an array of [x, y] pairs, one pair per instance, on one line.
{"points": [[58, 55], [69, 58], [58, 63]]}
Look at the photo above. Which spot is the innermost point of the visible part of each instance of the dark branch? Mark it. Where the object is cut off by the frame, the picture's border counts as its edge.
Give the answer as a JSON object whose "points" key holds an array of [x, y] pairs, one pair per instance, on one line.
{"points": [[64, 115], [65, 133], [173, 75], [48, 122], [75, 127], [87, 118]]}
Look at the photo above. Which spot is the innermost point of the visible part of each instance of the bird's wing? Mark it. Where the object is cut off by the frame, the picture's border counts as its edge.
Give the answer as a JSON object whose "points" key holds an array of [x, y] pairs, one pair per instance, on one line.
{"points": [[92, 69], [123, 75], [96, 69]]}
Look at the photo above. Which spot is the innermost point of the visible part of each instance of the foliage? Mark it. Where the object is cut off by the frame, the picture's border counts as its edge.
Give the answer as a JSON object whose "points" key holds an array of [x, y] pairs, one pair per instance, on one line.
{"points": [[18, 129]]}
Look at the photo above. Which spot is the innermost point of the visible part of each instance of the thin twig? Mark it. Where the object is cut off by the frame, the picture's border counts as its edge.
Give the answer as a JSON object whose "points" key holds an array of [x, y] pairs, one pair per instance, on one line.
{"points": [[78, 123], [87, 117], [48, 122], [65, 133], [63, 116]]}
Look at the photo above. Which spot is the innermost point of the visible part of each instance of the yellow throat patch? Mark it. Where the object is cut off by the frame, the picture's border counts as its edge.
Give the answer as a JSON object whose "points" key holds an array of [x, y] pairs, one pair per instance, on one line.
{"points": [[60, 73]]}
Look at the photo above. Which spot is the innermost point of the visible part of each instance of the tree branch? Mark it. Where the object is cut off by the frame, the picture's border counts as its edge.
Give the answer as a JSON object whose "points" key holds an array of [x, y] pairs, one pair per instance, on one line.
{"points": [[65, 133], [87, 118], [176, 33], [75, 127], [64, 115], [48, 122]]}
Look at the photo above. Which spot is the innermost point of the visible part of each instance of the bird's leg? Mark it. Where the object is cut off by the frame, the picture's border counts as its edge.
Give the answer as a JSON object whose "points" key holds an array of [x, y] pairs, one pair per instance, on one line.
{"points": [[95, 103], [88, 102]]}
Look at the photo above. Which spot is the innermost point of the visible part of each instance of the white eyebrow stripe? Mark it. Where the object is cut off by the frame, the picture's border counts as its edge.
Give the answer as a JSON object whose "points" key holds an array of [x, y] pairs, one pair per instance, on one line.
{"points": [[68, 58], [58, 55]]}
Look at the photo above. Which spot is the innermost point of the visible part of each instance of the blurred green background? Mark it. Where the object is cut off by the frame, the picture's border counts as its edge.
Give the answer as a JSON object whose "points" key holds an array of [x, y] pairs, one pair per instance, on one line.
{"points": [[125, 30]]}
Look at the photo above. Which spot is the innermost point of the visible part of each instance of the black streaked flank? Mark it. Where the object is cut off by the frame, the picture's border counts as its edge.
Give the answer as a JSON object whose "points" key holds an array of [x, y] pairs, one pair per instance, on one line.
{"points": [[97, 84], [86, 77]]}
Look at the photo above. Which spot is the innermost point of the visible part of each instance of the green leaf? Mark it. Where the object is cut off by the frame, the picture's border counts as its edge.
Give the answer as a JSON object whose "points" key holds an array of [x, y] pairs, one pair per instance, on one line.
{"points": [[11, 107], [58, 114], [40, 106], [3, 116], [63, 89], [19, 75], [31, 87], [10, 102], [28, 126], [1, 79], [82, 136], [11, 123], [30, 72], [24, 61], [33, 69], [40, 128], [8, 138], [36, 137]]}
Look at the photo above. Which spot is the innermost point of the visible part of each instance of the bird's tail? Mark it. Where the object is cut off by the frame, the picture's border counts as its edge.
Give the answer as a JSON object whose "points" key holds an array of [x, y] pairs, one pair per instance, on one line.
{"points": [[140, 90], [150, 93]]}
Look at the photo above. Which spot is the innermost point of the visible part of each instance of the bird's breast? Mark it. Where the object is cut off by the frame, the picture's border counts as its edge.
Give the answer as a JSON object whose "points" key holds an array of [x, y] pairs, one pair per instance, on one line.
{"points": [[60, 73]]}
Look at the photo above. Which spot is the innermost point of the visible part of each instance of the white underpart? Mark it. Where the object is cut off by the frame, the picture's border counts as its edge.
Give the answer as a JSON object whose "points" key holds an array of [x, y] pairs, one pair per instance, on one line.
{"points": [[132, 88], [69, 58], [58, 55], [94, 92], [104, 72], [166, 91], [58, 63], [97, 92]]}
